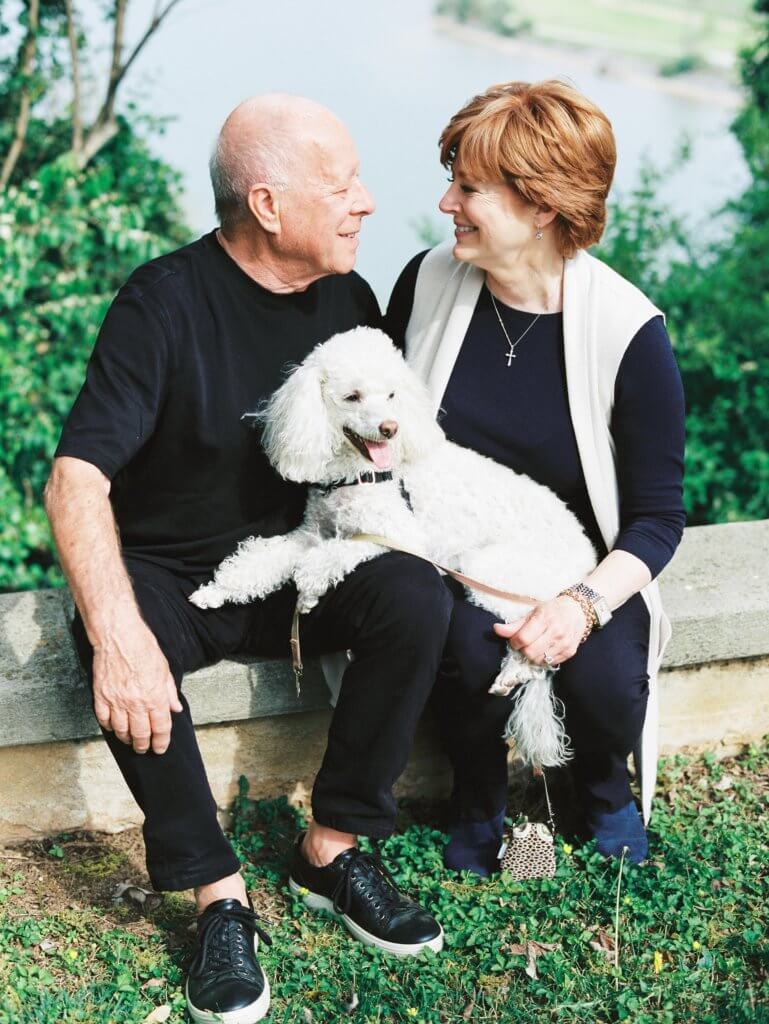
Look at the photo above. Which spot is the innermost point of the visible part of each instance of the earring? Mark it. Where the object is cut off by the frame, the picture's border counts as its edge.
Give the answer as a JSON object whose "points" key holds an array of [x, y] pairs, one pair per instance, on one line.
{"points": [[538, 235]]}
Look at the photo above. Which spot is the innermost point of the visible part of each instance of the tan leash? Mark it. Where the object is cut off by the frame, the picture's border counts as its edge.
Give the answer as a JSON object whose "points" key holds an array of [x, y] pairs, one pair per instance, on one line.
{"points": [[296, 652], [374, 538]]}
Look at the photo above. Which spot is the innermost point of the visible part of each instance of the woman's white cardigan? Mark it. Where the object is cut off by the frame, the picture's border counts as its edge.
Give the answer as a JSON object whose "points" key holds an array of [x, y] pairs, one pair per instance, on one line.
{"points": [[602, 312]]}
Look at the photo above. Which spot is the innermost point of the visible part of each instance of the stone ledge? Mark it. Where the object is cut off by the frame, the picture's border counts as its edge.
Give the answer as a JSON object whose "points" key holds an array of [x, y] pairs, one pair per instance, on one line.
{"points": [[716, 593], [75, 784]]}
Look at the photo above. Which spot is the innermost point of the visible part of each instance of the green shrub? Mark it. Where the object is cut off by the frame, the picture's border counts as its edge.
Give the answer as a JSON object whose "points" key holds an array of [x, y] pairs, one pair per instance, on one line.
{"points": [[76, 236], [716, 297], [77, 215]]}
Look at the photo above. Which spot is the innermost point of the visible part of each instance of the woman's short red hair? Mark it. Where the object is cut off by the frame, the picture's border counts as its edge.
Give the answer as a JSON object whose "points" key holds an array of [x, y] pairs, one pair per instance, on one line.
{"points": [[546, 141]]}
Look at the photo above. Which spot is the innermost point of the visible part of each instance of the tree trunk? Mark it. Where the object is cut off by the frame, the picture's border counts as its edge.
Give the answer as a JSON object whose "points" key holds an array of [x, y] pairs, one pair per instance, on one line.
{"points": [[26, 62]]}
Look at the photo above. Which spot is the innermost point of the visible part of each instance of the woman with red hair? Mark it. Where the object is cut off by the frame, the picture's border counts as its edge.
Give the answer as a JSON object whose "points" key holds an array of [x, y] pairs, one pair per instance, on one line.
{"points": [[541, 357]]}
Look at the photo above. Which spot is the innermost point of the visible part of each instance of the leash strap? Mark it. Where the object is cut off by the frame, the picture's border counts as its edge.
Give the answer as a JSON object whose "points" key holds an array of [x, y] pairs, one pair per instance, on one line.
{"points": [[296, 652], [468, 581], [550, 815]]}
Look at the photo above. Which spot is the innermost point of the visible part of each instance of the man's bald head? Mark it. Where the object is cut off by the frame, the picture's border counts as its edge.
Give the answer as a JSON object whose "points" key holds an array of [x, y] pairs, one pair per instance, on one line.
{"points": [[265, 139]]}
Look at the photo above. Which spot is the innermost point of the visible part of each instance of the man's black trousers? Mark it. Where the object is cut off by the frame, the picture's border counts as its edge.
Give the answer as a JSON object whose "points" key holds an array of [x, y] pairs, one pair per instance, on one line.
{"points": [[393, 612]]}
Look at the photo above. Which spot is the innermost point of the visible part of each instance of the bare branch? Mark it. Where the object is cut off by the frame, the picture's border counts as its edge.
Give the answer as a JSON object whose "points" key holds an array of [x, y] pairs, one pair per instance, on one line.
{"points": [[105, 126], [106, 113], [26, 63], [77, 123], [98, 137], [157, 19]]}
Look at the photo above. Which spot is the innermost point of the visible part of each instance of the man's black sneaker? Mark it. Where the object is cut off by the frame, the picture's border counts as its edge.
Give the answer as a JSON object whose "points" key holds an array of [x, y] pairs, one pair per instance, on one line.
{"points": [[357, 888], [225, 984]]}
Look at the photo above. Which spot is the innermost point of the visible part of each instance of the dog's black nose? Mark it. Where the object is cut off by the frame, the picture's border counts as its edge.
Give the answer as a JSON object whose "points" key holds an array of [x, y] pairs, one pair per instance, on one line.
{"points": [[388, 428]]}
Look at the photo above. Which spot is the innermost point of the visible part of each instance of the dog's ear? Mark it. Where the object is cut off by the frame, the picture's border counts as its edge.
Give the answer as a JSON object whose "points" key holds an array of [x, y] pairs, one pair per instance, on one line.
{"points": [[419, 431], [297, 435]]}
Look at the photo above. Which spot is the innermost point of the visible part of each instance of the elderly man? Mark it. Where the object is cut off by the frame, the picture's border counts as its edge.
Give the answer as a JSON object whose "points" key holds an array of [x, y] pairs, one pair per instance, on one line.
{"points": [[157, 477]]}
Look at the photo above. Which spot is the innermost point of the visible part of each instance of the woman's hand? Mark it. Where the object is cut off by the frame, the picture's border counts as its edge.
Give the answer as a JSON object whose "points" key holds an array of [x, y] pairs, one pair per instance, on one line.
{"points": [[554, 628]]}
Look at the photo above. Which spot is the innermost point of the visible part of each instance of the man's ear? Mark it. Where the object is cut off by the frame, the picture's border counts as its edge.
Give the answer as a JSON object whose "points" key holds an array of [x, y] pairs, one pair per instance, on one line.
{"points": [[264, 204]]}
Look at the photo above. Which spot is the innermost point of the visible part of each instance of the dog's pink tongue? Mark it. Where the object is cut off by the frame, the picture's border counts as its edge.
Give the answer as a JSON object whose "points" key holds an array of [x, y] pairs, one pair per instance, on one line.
{"points": [[380, 454]]}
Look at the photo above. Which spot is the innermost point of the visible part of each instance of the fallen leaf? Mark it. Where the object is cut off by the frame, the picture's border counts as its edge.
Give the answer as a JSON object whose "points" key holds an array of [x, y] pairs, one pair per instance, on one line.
{"points": [[158, 1015], [468, 1010], [534, 950], [603, 943], [725, 782], [47, 945], [352, 1005], [308, 1017], [154, 983], [135, 895], [531, 949]]}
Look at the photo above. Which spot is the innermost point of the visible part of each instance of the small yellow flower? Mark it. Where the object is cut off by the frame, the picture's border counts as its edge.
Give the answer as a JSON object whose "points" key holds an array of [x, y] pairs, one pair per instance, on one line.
{"points": [[657, 961], [71, 954], [412, 1011], [303, 891], [568, 849], [696, 945], [627, 901]]}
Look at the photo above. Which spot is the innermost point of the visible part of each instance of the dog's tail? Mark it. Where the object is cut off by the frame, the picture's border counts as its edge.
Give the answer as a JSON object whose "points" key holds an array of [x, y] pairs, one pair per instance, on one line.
{"points": [[536, 723]]}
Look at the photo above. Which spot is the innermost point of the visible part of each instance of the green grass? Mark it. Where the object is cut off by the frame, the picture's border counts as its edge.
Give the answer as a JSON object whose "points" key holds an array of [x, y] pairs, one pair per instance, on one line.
{"points": [[693, 928]]}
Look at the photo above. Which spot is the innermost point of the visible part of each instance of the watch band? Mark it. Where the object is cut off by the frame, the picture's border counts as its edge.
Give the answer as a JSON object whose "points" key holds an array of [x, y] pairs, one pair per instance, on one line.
{"points": [[598, 603]]}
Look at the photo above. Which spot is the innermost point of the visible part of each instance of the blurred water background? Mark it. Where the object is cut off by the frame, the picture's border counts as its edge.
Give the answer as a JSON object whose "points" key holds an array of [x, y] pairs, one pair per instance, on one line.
{"points": [[395, 78]]}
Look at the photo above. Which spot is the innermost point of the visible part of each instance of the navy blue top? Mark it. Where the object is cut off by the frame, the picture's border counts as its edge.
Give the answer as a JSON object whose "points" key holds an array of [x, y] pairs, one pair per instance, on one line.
{"points": [[519, 416]]}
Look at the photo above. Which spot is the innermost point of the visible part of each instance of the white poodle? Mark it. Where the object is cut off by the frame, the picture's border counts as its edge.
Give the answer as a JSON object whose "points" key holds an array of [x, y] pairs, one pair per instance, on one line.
{"points": [[353, 409]]}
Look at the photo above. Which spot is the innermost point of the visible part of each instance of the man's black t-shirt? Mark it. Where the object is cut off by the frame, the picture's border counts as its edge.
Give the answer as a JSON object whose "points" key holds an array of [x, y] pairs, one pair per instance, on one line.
{"points": [[188, 346]]}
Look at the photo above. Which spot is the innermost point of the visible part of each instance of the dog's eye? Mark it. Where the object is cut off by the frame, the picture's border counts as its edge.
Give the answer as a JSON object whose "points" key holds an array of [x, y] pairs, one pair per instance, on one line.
{"points": [[354, 396], [391, 395]]}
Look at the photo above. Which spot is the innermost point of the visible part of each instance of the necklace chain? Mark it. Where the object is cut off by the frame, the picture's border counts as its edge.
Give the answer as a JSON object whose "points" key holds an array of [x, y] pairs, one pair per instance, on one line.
{"points": [[510, 356]]}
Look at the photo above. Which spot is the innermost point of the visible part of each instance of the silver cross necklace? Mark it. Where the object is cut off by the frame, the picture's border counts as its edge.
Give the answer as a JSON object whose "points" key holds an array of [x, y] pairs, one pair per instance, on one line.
{"points": [[513, 344]]}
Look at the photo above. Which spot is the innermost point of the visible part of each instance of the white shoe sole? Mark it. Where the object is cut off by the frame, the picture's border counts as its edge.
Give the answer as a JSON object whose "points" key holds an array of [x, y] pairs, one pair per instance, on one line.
{"points": [[245, 1015], [315, 902]]}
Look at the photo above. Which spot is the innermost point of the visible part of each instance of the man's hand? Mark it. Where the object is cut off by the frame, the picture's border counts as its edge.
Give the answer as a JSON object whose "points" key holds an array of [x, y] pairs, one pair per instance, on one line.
{"points": [[134, 691], [554, 628]]}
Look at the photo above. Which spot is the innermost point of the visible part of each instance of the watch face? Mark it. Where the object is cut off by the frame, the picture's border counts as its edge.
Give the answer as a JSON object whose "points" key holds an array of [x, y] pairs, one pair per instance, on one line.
{"points": [[602, 611]]}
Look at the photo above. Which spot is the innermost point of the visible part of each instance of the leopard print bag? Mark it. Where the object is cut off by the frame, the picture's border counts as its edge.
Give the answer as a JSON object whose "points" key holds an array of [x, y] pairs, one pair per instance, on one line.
{"points": [[528, 851]]}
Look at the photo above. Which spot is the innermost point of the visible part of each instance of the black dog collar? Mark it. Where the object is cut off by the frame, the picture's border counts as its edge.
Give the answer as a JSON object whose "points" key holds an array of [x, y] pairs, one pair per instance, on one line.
{"points": [[362, 478]]}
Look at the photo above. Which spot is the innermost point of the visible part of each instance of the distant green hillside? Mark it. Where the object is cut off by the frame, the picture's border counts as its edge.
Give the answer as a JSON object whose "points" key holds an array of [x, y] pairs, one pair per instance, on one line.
{"points": [[677, 35]]}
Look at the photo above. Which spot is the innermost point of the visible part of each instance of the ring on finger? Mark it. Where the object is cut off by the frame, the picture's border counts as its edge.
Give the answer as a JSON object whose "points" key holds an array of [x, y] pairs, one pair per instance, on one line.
{"points": [[548, 659]]}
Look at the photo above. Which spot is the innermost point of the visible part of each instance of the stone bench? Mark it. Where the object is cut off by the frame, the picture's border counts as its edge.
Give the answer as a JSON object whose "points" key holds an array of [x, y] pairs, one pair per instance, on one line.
{"points": [[56, 772]]}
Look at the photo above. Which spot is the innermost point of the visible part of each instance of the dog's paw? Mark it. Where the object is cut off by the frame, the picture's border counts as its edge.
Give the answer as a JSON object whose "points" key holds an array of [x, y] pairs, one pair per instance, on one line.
{"points": [[210, 595], [514, 672]]}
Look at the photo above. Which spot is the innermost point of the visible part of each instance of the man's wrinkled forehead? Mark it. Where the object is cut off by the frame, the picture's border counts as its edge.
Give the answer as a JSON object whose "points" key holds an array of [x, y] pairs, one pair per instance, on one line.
{"points": [[330, 159]]}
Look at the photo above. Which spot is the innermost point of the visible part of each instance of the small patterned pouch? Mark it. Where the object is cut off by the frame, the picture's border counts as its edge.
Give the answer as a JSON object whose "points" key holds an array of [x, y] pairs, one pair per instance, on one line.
{"points": [[528, 850]]}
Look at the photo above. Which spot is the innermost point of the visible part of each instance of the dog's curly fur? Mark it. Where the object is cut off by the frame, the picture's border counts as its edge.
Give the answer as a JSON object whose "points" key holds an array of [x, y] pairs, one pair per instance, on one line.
{"points": [[468, 512]]}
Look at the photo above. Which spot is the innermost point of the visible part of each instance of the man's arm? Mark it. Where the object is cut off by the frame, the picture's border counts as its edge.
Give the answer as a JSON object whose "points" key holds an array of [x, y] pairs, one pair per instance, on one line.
{"points": [[134, 691]]}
